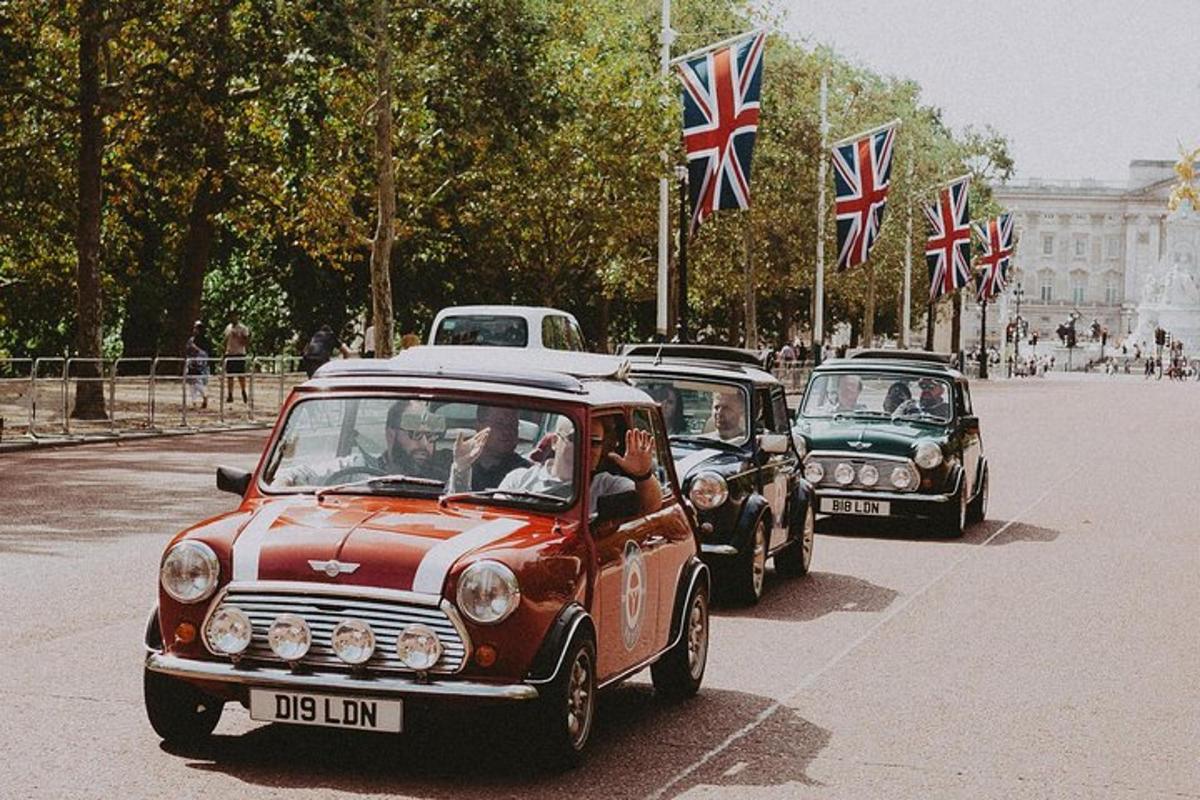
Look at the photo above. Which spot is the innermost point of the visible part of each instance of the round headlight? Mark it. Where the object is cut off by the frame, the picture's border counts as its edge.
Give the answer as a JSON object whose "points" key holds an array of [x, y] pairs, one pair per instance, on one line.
{"points": [[868, 475], [928, 455], [901, 478], [844, 474], [289, 637], [708, 491], [189, 571], [814, 472], [353, 641], [418, 647], [488, 592], [228, 631]]}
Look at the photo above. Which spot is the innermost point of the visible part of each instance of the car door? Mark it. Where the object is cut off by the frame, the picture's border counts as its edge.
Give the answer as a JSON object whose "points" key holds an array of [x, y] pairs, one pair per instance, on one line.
{"points": [[775, 468], [627, 585], [669, 545], [969, 432]]}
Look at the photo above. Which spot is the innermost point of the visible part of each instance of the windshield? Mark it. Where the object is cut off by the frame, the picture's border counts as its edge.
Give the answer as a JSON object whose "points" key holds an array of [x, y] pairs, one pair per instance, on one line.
{"points": [[699, 408], [868, 394], [483, 329], [345, 441]]}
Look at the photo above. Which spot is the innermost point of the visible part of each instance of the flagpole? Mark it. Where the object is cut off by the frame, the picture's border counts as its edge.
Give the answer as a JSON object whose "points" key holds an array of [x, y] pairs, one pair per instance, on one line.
{"points": [[865, 134], [906, 313], [709, 48], [983, 359], [819, 287], [664, 187]]}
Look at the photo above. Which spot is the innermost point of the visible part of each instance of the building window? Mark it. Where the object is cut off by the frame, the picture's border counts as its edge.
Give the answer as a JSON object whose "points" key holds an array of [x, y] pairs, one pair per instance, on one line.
{"points": [[1081, 246], [1077, 292], [1112, 246], [1047, 244], [1110, 292], [1047, 289]]}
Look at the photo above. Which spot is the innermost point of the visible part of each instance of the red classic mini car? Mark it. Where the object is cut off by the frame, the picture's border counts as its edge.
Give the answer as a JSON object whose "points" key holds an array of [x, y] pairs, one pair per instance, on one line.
{"points": [[439, 527]]}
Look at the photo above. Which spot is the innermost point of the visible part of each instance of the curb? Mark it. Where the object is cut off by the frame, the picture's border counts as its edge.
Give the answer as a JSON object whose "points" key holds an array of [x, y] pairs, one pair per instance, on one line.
{"points": [[44, 443]]}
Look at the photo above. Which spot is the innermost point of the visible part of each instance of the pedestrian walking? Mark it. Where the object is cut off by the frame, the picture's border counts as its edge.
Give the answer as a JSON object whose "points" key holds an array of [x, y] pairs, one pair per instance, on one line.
{"points": [[196, 353], [320, 349], [237, 343], [368, 350]]}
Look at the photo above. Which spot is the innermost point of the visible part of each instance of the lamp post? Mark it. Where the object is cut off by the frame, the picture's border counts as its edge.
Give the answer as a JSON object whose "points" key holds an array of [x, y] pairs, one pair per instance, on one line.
{"points": [[1018, 293], [681, 313]]}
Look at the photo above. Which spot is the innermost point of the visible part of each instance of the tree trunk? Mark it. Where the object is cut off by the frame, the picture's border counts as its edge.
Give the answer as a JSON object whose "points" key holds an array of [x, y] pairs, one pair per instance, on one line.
{"points": [[210, 199], [381, 248], [930, 325], [869, 314], [89, 392], [956, 323], [751, 304]]}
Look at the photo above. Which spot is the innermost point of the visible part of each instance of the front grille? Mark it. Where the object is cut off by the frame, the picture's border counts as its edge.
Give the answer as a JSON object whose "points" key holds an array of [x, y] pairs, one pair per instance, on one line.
{"points": [[830, 460], [323, 612]]}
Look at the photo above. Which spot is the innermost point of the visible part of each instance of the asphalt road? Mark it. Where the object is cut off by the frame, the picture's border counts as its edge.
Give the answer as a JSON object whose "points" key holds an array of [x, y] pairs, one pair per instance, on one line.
{"points": [[1052, 652]]}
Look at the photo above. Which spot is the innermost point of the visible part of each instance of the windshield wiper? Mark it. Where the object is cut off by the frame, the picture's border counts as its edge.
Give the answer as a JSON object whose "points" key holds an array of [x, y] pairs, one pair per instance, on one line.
{"points": [[491, 493], [380, 480]]}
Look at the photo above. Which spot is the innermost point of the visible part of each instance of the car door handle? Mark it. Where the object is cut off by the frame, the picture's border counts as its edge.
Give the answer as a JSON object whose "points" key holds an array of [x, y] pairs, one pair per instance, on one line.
{"points": [[654, 541]]}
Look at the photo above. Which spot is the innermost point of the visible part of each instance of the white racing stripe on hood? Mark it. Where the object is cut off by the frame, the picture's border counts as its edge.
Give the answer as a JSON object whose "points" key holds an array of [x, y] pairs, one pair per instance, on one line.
{"points": [[685, 465], [435, 566], [248, 545]]}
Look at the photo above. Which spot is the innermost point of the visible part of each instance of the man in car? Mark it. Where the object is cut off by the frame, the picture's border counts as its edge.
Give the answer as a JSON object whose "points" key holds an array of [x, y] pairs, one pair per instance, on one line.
{"points": [[729, 415], [498, 456], [933, 398], [849, 388]]}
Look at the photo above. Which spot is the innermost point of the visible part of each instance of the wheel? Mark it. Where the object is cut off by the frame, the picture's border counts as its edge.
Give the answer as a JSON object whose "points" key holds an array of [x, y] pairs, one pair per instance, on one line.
{"points": [[794, 560], [567, 707], [179, 712], [956, 512], [353, 473], [677, 675], [751, 566], [978, 508]]}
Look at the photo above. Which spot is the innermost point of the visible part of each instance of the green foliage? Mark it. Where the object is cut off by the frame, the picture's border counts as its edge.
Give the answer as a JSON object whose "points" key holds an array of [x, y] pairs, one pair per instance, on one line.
{"points": [[528, 142]]}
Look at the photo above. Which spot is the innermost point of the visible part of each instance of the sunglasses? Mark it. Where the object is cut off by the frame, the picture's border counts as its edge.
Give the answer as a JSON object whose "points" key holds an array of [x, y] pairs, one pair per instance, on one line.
{"points": [[429, 436]]}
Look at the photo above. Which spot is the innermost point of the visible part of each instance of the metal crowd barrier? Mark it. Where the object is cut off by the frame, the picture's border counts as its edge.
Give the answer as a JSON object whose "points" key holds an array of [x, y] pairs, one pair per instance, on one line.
{"points": [[794, 377], [140, 394]]}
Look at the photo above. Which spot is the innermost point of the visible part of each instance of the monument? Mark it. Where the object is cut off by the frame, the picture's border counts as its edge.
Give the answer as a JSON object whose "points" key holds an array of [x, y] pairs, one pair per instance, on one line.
{"points": [[1171, 293]]}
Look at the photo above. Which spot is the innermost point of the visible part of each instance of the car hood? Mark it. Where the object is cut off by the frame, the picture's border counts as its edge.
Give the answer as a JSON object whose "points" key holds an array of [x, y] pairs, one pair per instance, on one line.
{"points": [[881, 437], [693, 457], [295, 538]]}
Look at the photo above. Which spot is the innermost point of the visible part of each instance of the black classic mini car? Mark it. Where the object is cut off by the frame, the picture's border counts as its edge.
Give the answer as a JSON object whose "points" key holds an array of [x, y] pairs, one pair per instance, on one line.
{"points": [[892, 433], [729, 427]]}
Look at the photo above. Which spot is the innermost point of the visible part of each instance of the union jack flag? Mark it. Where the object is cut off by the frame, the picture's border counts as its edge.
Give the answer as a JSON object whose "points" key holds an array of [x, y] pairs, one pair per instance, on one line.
{"points": [[720, 121], [996, 234], [862, 172], [948, 251]]}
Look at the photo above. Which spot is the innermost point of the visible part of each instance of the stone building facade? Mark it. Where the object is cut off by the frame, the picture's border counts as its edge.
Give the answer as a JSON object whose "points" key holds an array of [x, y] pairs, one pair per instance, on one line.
{"points": [[1084, 246]]}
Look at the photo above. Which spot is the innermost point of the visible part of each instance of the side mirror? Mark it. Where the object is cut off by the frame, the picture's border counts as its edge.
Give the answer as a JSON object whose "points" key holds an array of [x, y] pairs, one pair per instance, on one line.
{"points": [[773, 443], [234, 481], [623, 505], [970, 424]]}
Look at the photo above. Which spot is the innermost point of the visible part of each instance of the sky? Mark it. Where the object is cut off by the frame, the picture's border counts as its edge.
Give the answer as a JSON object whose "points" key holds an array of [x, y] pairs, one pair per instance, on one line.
{"points": [[1079, 89]]}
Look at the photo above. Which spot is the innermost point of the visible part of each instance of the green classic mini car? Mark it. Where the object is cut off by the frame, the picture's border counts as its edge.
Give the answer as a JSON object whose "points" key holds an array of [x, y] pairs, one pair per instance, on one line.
{"points": [[892, 433]]}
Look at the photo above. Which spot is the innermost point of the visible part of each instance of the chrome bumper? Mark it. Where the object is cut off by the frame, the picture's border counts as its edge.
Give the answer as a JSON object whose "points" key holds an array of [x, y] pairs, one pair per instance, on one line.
{"points": [[335, 682], [904, 497], [718, 550]]}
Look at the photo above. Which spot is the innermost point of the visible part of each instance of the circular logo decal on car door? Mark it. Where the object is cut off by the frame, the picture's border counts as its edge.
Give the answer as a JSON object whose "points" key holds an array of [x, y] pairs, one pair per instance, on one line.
{"points": [[633, 594]]}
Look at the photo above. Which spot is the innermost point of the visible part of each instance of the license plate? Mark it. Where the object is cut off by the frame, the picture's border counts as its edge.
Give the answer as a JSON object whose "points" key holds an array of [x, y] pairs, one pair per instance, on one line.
{"points": [[862, 508], [331, 711]]}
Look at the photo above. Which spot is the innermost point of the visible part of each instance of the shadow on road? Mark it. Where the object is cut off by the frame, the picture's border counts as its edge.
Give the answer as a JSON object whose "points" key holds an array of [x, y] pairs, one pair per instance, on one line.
{"points": [[808, 598], [925, 531], [639, 745]]}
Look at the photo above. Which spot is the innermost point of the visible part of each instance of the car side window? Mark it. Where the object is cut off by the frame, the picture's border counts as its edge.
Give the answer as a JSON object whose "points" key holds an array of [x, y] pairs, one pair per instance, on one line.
{"points": [[552, 334], [643, 421], [779, 407], [764, 417], [574, 336]]}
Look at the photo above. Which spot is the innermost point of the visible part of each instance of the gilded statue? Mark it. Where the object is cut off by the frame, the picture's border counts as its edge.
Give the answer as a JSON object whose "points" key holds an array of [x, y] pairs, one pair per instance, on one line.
{"points": [[1185, 168]]}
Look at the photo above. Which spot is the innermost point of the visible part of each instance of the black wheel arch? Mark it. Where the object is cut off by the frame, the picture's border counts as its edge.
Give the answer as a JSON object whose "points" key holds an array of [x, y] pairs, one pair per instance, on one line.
{"points": [[571, 622], [153, 637], [756, 506], [693, 576]]}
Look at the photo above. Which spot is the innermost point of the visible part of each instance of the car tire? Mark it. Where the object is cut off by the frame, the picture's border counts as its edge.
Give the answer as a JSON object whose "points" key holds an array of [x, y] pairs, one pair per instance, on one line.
{"points": [[678, 674], [750, 570], [956, 512], [794, 560], [179, 713], [978, 508], [566, 708]]}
